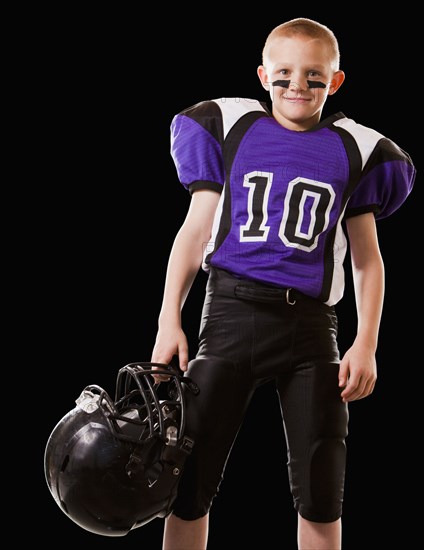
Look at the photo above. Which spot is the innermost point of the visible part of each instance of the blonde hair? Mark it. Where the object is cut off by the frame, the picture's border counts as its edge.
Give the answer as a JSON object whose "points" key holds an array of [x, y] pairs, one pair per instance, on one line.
{"points": [[305, 27]]}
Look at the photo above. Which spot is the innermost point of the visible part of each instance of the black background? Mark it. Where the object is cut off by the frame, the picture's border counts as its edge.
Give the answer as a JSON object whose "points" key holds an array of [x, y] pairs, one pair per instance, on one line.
{"points": [[109, 84]]}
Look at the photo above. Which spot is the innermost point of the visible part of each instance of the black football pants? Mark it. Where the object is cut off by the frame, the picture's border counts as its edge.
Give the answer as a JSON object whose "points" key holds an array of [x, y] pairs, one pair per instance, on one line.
{"points": [[251, 334]]}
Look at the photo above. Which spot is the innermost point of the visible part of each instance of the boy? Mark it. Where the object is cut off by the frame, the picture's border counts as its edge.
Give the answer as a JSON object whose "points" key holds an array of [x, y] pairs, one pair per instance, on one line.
{"points": [[270, 192]]}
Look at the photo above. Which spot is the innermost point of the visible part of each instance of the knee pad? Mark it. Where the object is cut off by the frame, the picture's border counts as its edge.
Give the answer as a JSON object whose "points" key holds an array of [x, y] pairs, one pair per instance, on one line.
{"points": [[322, 496]]}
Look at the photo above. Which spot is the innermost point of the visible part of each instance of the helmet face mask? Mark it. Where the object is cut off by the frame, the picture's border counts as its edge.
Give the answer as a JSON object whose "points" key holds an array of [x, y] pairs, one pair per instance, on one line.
{"points": [[114, 465]]}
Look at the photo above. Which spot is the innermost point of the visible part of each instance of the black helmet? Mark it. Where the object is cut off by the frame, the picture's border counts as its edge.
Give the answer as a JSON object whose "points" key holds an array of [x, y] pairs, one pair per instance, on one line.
{"points": [[112, 466]]}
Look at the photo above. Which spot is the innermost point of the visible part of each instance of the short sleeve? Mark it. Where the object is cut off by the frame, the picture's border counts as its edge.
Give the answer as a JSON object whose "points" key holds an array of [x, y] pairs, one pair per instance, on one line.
{"points": [[196, 147], [386, 181]]}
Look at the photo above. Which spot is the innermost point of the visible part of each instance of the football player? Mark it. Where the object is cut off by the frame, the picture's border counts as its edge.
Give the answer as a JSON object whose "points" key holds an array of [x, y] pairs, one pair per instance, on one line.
{"points": [[275, 198]]}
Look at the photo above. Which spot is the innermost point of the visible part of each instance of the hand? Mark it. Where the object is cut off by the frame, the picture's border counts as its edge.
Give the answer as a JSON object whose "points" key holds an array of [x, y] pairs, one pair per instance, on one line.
{"points": [[357, 373], [170, 343]]}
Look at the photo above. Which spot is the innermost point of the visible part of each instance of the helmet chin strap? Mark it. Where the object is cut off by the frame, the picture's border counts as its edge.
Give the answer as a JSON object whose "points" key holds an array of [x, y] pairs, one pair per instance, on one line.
{"points": [[311, 83]]}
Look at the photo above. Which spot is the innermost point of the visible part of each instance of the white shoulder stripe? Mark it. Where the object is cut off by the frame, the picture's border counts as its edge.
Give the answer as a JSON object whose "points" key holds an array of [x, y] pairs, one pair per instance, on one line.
{"points": [[233, 108], [366, 138]]}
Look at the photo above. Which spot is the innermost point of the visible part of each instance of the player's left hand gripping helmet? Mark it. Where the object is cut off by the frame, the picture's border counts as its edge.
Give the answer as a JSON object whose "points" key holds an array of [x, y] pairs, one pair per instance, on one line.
{"points": [[112, 466]]}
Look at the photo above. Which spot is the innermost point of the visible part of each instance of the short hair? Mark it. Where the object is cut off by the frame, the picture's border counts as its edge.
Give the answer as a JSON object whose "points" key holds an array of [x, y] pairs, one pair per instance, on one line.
{"points": [[306, 27]]}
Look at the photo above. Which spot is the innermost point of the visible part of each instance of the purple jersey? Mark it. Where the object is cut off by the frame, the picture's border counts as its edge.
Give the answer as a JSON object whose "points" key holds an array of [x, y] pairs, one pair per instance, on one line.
{"points": [[284, 194]]}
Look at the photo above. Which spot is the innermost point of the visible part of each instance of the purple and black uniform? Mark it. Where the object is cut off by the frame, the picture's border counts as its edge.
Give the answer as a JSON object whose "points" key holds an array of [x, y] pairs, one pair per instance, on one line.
{"points": [[285, 193], [275, 263]]}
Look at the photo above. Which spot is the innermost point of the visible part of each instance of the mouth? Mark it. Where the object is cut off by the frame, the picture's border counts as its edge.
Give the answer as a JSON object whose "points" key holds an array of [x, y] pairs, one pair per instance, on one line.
{"points": [[296, 99]]}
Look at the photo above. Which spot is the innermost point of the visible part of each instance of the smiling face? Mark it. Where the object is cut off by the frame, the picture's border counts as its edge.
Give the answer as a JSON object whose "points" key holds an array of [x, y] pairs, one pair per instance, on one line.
{"points": [[299, 72]]}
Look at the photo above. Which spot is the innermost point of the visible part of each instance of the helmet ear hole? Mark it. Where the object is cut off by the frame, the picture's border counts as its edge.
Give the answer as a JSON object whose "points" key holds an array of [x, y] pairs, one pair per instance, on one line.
{"points": [[111, 464], [64, 463]]}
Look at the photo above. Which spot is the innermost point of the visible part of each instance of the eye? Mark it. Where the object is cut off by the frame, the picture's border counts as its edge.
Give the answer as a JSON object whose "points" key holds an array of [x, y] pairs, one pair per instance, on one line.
{"points": [[283, 72], [314, 74]]}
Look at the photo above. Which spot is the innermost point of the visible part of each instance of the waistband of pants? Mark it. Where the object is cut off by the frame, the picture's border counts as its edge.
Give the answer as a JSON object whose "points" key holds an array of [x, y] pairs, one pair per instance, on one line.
{"points": [[252, 290]]}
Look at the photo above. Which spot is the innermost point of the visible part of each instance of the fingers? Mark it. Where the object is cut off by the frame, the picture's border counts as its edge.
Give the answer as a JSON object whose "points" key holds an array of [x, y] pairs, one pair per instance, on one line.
{"points": [[357, 375], [164, 360], [179, 360], [343, 374], [169, 353], [357, 389], [183, 359]]}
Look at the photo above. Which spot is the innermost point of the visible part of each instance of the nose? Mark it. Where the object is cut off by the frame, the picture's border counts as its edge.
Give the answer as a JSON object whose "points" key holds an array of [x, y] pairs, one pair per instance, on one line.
{"points": [[298, 83]]}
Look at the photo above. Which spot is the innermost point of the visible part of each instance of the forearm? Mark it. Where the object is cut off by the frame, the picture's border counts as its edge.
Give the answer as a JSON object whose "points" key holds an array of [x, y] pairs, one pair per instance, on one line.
{"points": [[186, 255], [183, 265], [368, 278], [369, 295]]}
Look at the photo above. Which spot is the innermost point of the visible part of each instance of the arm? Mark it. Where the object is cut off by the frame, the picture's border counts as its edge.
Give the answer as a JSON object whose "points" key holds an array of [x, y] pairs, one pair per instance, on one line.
{"points": [[184, 263], [358, 371]]}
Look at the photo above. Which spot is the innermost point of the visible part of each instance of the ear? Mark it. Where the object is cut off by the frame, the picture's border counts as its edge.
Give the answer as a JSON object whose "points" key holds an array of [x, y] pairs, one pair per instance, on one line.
{"points": [[336, 82], [263, 77]]}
